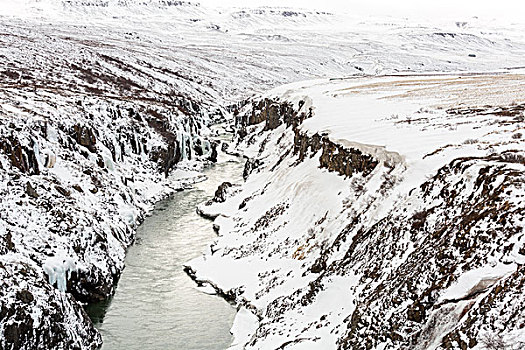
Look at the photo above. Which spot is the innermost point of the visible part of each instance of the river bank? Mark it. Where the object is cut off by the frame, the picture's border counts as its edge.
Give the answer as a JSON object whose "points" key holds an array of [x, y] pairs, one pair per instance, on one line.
{"points": [[156, 305]]}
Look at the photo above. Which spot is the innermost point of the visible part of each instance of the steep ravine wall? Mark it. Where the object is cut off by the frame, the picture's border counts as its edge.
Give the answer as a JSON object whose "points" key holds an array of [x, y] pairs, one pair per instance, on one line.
{"points": [[76, 179], [334, 157], [441, 268]]}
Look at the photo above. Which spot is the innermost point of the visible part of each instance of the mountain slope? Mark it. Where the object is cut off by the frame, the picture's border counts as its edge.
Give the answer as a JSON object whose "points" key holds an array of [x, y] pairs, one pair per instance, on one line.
{"points": [[378, 212]]}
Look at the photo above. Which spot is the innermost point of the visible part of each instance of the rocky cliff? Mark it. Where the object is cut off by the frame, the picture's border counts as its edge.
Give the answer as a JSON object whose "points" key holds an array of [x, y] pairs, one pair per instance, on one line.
{"points": [[349, 234], [78, 174]]}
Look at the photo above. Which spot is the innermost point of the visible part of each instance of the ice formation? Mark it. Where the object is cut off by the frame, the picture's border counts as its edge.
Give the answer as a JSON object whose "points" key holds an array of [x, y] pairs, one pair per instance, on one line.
{"points": [[58, 269]]}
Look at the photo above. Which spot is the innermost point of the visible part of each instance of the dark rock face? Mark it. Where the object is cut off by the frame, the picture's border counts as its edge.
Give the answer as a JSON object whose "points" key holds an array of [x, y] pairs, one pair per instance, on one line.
{"points": [[214, 154], [21, 157], [334, 157], [220, 193], [250, 166], [25, 296], [272, 113], [31, 192], [63, 191], [21, 328], [224, 191], [92, 286], [6, 244], [168, 157], [84, 136]]}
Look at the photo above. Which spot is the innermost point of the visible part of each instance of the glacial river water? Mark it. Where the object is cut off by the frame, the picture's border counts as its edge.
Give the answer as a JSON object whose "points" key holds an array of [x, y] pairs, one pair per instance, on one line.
{"points": [[156, 305]]}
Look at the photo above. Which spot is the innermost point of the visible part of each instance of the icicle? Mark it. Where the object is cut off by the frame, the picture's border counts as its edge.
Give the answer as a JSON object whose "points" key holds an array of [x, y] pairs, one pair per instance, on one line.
{"points": [[183, 146], [203, 146], [58, 270], [207, 147], [36, 151], [49, 159], [116, 147], [190, 138]]}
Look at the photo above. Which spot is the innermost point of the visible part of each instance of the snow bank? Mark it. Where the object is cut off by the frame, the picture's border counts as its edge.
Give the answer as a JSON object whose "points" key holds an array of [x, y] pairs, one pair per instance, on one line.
{"points": [[477, 280]]}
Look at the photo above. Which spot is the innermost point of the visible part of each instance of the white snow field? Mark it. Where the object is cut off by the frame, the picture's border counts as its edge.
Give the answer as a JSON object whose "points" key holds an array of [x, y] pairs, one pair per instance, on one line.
{"points": [[106, 107]]}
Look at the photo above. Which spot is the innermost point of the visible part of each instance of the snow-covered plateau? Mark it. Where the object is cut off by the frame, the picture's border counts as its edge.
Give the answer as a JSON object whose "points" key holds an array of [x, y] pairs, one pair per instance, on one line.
{"points": [[383, 206]]}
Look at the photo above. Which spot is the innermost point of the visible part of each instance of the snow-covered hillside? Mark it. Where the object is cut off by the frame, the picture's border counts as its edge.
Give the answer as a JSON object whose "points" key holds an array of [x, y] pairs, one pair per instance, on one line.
{"points": [[378, 213], [105, 107]]}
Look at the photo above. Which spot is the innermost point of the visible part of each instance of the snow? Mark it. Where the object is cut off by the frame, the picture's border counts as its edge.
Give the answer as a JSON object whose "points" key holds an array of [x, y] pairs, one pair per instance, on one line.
{"points": [[274, 227], [376, 115], [477, 279], [244, 325]]}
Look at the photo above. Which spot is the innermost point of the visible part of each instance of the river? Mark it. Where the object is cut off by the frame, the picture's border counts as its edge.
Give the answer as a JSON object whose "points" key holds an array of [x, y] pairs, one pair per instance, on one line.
{"points": [[156, 305]]}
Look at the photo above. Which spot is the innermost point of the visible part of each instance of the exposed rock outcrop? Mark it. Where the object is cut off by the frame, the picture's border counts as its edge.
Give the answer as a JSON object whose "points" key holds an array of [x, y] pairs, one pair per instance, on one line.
{"points": [[84, 136], [220, 194], [21, 157], [334, 156], [450, 238]]}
